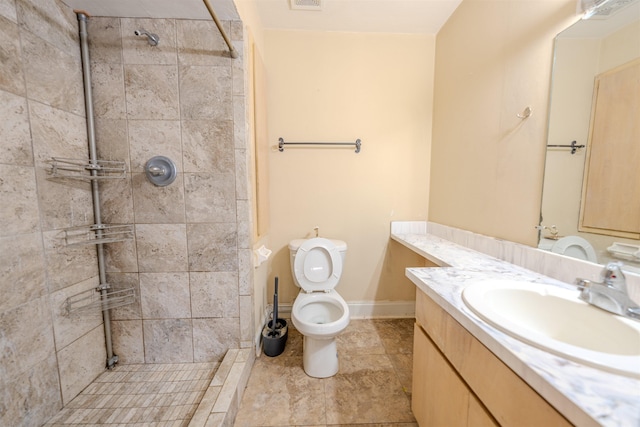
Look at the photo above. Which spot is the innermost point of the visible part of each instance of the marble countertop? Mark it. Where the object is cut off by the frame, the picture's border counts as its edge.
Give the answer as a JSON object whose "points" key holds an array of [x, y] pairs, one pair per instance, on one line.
{"points": [[586, 396]]}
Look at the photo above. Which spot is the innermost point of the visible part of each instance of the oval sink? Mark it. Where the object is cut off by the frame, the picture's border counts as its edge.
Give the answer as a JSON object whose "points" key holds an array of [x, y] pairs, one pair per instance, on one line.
{"points": [[554, 319]]}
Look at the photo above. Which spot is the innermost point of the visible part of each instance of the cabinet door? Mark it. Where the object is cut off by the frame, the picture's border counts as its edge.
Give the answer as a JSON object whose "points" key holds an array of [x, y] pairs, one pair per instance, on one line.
{"points": [[439, 397]]}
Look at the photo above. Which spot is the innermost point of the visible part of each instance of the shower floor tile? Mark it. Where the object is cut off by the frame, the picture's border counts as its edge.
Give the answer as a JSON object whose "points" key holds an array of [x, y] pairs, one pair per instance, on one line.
{"points": [[372, 388], [140, 395]]}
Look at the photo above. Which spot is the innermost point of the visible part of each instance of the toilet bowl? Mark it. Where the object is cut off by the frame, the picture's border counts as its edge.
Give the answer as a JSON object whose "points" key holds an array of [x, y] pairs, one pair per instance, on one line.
{"points": [[319, 313], [576, 247]]}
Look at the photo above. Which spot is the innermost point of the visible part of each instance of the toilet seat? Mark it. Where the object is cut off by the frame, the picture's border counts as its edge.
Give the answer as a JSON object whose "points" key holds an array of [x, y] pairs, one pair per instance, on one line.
{"points": [[576, 247], [317, 265]]}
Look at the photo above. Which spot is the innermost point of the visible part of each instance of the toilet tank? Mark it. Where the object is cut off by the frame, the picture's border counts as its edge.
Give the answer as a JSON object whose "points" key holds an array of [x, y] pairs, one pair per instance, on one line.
{"points": [[295, 244]]}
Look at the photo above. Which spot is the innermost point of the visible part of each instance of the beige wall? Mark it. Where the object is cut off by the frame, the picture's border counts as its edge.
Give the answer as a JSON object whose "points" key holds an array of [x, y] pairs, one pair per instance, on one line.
{"points": [[340, 87], [493, 59]]}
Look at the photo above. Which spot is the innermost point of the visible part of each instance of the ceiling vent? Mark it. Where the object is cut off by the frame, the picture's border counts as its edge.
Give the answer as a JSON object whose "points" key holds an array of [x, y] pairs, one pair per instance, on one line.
{"points": [[306, 4]]}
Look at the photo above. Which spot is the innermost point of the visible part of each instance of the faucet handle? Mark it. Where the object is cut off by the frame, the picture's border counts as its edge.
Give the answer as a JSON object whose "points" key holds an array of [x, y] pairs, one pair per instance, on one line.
{"points": [[613, 276]]}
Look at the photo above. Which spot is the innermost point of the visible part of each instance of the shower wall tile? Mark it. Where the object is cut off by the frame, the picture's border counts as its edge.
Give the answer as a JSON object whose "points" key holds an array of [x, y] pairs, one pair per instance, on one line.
{"points": [[210, 197], [200, 43], [27, 337], [214, 294], [56, 133], [161, 247], [112, 140], [168, 341], [246, 319], [205, 93], [213, 337], [68, 265], [212, 247], [22, 273], [37, 390], [15, 137], [120, 281], [116, 201], [207, 146], [237, 31], [59, 86], [19, 207], [237, 70], [242, 174], [165, 295], [149, 138], [80, 362], [8, 10], [245, 268], [158, 205], [137, 50], [127, 341], [11, 73], [52, 21], [69, 327], [107, 83], [121, 257], [239, 126], [105, 43], [152, 92]]}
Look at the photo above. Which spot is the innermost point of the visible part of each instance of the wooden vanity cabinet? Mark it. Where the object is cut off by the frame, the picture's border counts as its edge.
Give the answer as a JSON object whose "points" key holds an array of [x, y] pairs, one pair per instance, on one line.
{"points": [[457, 381]]}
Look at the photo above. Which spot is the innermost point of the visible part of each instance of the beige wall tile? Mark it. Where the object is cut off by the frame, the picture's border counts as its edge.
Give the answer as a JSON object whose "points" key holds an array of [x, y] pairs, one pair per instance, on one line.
{"points": [[212, 338], [15, 136], [200, 43], [168, 341], [11, 72], [116, 201], [80, 362], [161, 247], [149, 138], [157, 205], [207, 146], [8, 10], [27, 337], [51, 21], [137, 50], [68, 265], [151, 92], [112, 141], [210, 197], [120, 281], [214, 294], [165, 295], [59, 86], [107, 80], [212, 247], [127, 341], [105, 42], [21, 269], [205, 93], [121, 257], [19, 207]]}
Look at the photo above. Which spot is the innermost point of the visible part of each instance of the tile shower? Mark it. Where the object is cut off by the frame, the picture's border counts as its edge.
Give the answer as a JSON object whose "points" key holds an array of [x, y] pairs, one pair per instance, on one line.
{"points": [[190, 259]]}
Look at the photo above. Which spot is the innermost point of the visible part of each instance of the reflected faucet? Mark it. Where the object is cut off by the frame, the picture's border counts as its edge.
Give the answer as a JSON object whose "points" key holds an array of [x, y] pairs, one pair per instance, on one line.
{"points": [[610, 293]]}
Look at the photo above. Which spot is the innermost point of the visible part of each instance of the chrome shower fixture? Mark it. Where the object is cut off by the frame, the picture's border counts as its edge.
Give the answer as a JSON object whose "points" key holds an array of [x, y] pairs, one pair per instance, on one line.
{"points": [[152, 38]]}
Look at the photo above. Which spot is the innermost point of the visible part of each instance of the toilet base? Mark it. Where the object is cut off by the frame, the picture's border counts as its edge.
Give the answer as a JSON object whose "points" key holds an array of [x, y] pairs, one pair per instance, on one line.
{"points": [[319, 357]]}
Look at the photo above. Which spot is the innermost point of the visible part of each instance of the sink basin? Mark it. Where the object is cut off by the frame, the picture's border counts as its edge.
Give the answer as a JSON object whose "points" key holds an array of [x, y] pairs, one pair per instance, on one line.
{"points": [[554, 319]]}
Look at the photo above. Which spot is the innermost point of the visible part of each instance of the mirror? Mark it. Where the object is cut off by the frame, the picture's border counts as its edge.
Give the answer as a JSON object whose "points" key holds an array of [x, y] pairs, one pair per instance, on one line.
{"points": [[583, 53]]}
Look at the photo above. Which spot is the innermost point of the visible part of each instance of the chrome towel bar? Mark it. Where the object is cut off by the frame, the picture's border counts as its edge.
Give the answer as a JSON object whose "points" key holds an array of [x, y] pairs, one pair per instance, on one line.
{"points": [[574, 147], [281, 144]]}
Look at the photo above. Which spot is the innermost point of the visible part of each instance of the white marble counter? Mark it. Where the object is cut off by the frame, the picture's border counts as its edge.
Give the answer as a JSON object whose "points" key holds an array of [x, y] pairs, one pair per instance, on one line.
{"points": [[586, 396]]}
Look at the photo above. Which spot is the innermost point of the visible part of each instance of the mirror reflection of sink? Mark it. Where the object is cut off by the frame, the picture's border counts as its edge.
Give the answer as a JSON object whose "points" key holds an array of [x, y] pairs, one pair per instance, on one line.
{"points": [[554, 319]]}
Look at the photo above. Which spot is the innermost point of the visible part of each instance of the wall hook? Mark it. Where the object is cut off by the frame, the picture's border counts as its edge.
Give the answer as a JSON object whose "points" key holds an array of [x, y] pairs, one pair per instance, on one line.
{"points": [[526, 113]]}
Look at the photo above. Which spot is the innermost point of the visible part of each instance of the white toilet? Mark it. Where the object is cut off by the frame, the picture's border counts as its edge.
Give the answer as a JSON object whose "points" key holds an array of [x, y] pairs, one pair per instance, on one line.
{"points": [[319, 313], [573, 246]]}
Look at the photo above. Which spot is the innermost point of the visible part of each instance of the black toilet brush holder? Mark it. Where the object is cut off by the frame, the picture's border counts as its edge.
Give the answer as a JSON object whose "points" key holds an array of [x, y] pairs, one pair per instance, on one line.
{"points": [[275, 332]]}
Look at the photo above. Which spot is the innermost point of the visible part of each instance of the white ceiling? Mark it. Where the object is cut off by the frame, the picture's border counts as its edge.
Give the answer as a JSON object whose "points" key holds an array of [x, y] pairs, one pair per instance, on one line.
{"points": [[383, 16]]}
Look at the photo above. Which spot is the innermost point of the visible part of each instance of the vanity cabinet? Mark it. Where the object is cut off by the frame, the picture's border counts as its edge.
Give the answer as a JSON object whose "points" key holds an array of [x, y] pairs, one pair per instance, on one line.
{"points": [[457, 381]]}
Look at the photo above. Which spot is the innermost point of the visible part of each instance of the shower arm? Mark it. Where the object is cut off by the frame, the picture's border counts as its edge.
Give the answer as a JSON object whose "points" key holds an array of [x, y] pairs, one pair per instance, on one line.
{"points": [[232, 51]]}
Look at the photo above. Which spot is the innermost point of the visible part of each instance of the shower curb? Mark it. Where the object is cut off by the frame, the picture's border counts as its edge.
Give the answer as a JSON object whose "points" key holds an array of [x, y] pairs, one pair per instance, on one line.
{"points": [[220, 403]]}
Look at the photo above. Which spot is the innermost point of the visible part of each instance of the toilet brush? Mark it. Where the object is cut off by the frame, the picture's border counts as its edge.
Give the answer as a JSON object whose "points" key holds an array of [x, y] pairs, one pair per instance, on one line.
{"points": [[274, 336]]}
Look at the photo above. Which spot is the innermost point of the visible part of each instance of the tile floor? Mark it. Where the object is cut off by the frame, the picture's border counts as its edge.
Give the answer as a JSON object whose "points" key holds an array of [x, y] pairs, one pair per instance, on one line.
{"points": [[373, 386], [140, 395]]}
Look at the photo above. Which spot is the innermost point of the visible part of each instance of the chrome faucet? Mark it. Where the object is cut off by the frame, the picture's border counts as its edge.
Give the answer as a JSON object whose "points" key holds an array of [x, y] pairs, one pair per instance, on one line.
{"points": [[610, 293]]}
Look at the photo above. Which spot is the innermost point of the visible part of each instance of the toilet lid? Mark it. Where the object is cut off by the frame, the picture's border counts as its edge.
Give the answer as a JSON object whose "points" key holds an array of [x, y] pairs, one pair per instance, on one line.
{"points": [[576, 247], [317, 265]]}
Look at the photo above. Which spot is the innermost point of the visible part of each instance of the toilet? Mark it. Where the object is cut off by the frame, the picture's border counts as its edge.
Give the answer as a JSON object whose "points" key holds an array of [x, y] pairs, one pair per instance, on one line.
{"points": [[576, 247], [319, 313]]}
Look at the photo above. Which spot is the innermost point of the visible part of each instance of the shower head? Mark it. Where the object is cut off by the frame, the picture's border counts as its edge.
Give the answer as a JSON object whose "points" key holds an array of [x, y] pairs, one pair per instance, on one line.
{"points": [[152, 38]]}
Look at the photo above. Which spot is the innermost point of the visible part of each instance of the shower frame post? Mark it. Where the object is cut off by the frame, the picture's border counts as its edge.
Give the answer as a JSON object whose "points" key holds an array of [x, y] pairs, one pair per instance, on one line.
{"points": [[93, 159]]}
